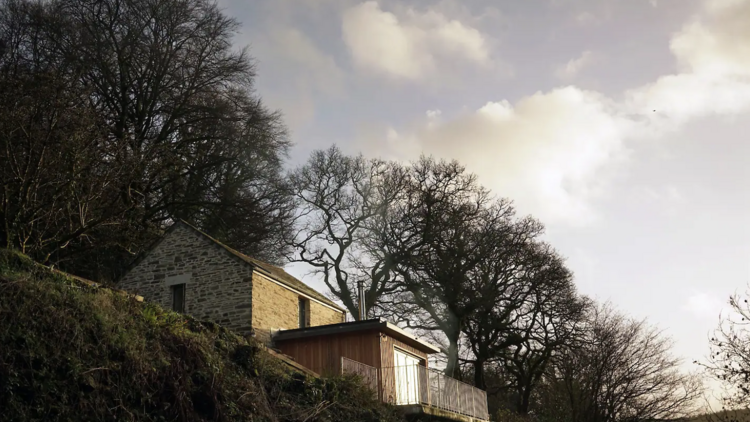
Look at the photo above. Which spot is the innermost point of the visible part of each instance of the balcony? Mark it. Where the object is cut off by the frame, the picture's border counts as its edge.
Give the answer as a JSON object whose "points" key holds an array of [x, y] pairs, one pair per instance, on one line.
{"points": [[421, 390]]}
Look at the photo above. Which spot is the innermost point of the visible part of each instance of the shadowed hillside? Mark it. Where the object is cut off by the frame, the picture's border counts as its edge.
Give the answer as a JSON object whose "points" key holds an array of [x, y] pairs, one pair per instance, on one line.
{"points": [[724, 416], [70, 350]]}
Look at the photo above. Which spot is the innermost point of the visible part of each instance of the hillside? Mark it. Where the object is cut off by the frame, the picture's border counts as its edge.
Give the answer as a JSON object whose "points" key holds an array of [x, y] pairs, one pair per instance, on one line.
{"points": [[73, 351], [724, 416]]}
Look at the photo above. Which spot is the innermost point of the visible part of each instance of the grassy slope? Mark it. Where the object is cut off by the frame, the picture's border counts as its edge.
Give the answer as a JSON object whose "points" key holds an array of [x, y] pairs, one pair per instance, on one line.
{"points": [[69, 351]]}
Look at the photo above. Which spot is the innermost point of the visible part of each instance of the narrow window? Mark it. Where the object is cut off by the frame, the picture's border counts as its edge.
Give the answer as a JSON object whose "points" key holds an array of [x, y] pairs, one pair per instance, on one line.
{"points": [[303, 306], [178, 298]]}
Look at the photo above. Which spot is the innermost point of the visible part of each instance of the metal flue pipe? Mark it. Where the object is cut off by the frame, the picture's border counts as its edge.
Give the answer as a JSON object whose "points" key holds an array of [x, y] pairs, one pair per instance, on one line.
{"points": [[361, 294]]}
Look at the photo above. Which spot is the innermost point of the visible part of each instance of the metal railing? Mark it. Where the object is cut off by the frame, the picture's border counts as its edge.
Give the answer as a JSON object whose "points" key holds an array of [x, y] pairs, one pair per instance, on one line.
{"points": [[368, 374], [416, 384]]}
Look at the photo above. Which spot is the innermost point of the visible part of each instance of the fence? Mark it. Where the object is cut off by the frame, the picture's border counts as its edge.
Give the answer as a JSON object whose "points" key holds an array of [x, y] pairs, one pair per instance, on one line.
{"points": [[416, 384], [369, 374]]}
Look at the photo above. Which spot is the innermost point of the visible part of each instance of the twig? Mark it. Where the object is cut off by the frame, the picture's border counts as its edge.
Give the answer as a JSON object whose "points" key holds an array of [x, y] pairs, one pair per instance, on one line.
{"points": [[94, 369]]}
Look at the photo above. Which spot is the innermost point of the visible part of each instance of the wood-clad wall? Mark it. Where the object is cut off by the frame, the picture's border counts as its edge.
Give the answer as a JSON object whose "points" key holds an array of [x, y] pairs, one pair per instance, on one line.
{"points": [[387, 363], [323, 354]]}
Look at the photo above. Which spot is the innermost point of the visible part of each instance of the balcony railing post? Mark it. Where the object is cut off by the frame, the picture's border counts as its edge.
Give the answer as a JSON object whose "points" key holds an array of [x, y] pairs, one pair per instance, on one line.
{"points": [[473, 405], [458, 396], [462, 399]]}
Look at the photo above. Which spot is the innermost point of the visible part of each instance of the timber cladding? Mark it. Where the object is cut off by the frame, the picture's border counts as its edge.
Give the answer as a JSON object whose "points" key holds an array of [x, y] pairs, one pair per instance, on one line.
{"points": [[323, 354]]}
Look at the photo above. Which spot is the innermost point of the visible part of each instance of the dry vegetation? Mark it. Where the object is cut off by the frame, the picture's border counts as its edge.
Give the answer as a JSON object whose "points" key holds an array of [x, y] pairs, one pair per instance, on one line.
{"points": [[76, 352]]}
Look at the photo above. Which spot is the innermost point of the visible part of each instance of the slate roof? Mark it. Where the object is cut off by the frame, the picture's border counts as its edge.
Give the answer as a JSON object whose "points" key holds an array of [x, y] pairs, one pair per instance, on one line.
{"points": [[276, 273]]}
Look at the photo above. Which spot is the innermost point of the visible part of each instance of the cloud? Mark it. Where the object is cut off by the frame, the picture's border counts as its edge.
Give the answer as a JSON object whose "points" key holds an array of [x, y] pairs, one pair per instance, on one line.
{"points": [[295, 47], [301, 72], [409, 46], [574, 66], [555, 152], [713, 53], [587, 18], [542, 151], [703, 305]]}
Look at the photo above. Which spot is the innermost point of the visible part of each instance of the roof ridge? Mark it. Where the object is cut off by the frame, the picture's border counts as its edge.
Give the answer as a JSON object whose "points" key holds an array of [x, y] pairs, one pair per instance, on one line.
{"points": [[293, 283]]}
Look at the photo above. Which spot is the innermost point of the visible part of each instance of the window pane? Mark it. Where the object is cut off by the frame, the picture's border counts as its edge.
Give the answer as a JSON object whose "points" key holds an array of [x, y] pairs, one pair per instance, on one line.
{"points": [[302, 313], [178, 298]]}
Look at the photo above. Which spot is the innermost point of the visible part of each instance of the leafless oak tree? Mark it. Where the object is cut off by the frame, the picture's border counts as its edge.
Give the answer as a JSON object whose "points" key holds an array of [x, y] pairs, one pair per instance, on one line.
{"points": [[342, 201], [441, 233], [623, 370]]}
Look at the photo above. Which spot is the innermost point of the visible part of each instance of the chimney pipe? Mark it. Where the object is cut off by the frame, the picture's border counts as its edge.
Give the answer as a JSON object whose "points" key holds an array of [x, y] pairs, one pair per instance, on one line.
{"points": [[361, 293]]}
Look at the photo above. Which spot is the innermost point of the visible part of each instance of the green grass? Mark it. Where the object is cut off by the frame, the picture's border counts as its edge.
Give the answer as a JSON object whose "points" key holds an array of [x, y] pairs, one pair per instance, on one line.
{"points": [[73, 352]]}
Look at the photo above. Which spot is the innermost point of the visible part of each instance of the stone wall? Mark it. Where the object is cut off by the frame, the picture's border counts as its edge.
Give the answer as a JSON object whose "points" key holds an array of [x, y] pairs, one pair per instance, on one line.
{"points": [[218, 286], [277, 308], [323, 315]]}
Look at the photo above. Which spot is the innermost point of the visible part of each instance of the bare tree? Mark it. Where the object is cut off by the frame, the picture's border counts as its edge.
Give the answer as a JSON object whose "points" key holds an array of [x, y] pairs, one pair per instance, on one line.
{"points": [[59, 175], [549, 320], [174, 104], [504, 290], [623, 370], [729, 359], [341, 201], [440, 233]]}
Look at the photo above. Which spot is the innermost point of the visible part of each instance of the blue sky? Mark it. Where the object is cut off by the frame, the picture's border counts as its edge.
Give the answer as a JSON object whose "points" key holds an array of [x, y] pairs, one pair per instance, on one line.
{"points": [[622, 125]]}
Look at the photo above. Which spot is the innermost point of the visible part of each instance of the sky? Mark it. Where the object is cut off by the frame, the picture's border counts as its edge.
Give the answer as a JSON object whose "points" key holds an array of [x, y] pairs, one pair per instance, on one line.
{"points": [[621, 124]]}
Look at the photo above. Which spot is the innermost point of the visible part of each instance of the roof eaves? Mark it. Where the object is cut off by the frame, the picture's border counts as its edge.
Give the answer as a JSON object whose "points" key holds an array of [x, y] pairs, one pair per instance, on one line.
{"points": [[348, 327], [412, 337], [257, 267]]}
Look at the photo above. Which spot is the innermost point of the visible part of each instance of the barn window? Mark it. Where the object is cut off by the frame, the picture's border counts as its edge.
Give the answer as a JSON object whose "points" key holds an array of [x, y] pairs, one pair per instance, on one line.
{"points": [[178, 298], [304, 306]]}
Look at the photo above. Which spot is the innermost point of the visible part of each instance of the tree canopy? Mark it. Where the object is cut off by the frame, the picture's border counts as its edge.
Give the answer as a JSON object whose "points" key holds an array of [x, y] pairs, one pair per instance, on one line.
{"points": [[120, 116]]}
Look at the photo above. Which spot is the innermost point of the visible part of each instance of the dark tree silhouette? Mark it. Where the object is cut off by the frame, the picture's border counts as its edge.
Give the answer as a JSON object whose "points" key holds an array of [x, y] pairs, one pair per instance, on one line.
{"points": [[623, 370], [342, 201], [440, 233], [174, 104], [549, 318]]}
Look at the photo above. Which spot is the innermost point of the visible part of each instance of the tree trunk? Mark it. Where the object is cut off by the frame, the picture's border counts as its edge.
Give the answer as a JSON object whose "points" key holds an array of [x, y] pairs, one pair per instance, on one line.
{"points": [[479, 380], [524, 399], [451, 368]]}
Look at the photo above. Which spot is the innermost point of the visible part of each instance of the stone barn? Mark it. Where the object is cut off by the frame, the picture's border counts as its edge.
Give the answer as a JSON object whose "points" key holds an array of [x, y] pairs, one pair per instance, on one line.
{"points": [[189, 271]]}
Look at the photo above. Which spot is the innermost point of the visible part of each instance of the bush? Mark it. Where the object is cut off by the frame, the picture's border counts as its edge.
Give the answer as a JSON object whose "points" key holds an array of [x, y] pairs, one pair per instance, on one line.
{"points": [[73, 352]]}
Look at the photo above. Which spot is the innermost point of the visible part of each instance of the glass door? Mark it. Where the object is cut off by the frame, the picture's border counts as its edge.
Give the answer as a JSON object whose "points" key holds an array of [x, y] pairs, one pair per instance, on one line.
{"points": [[407, 378]]}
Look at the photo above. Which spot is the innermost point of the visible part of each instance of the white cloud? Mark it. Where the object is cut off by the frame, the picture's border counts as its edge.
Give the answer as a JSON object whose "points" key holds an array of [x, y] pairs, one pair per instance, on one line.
{"points": [[542, 151], [703, 305], [662, 195], [666, 200], [713, 52], [574, 66], [553, 152], [409, 46], [296, 47], [433, 114]]}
